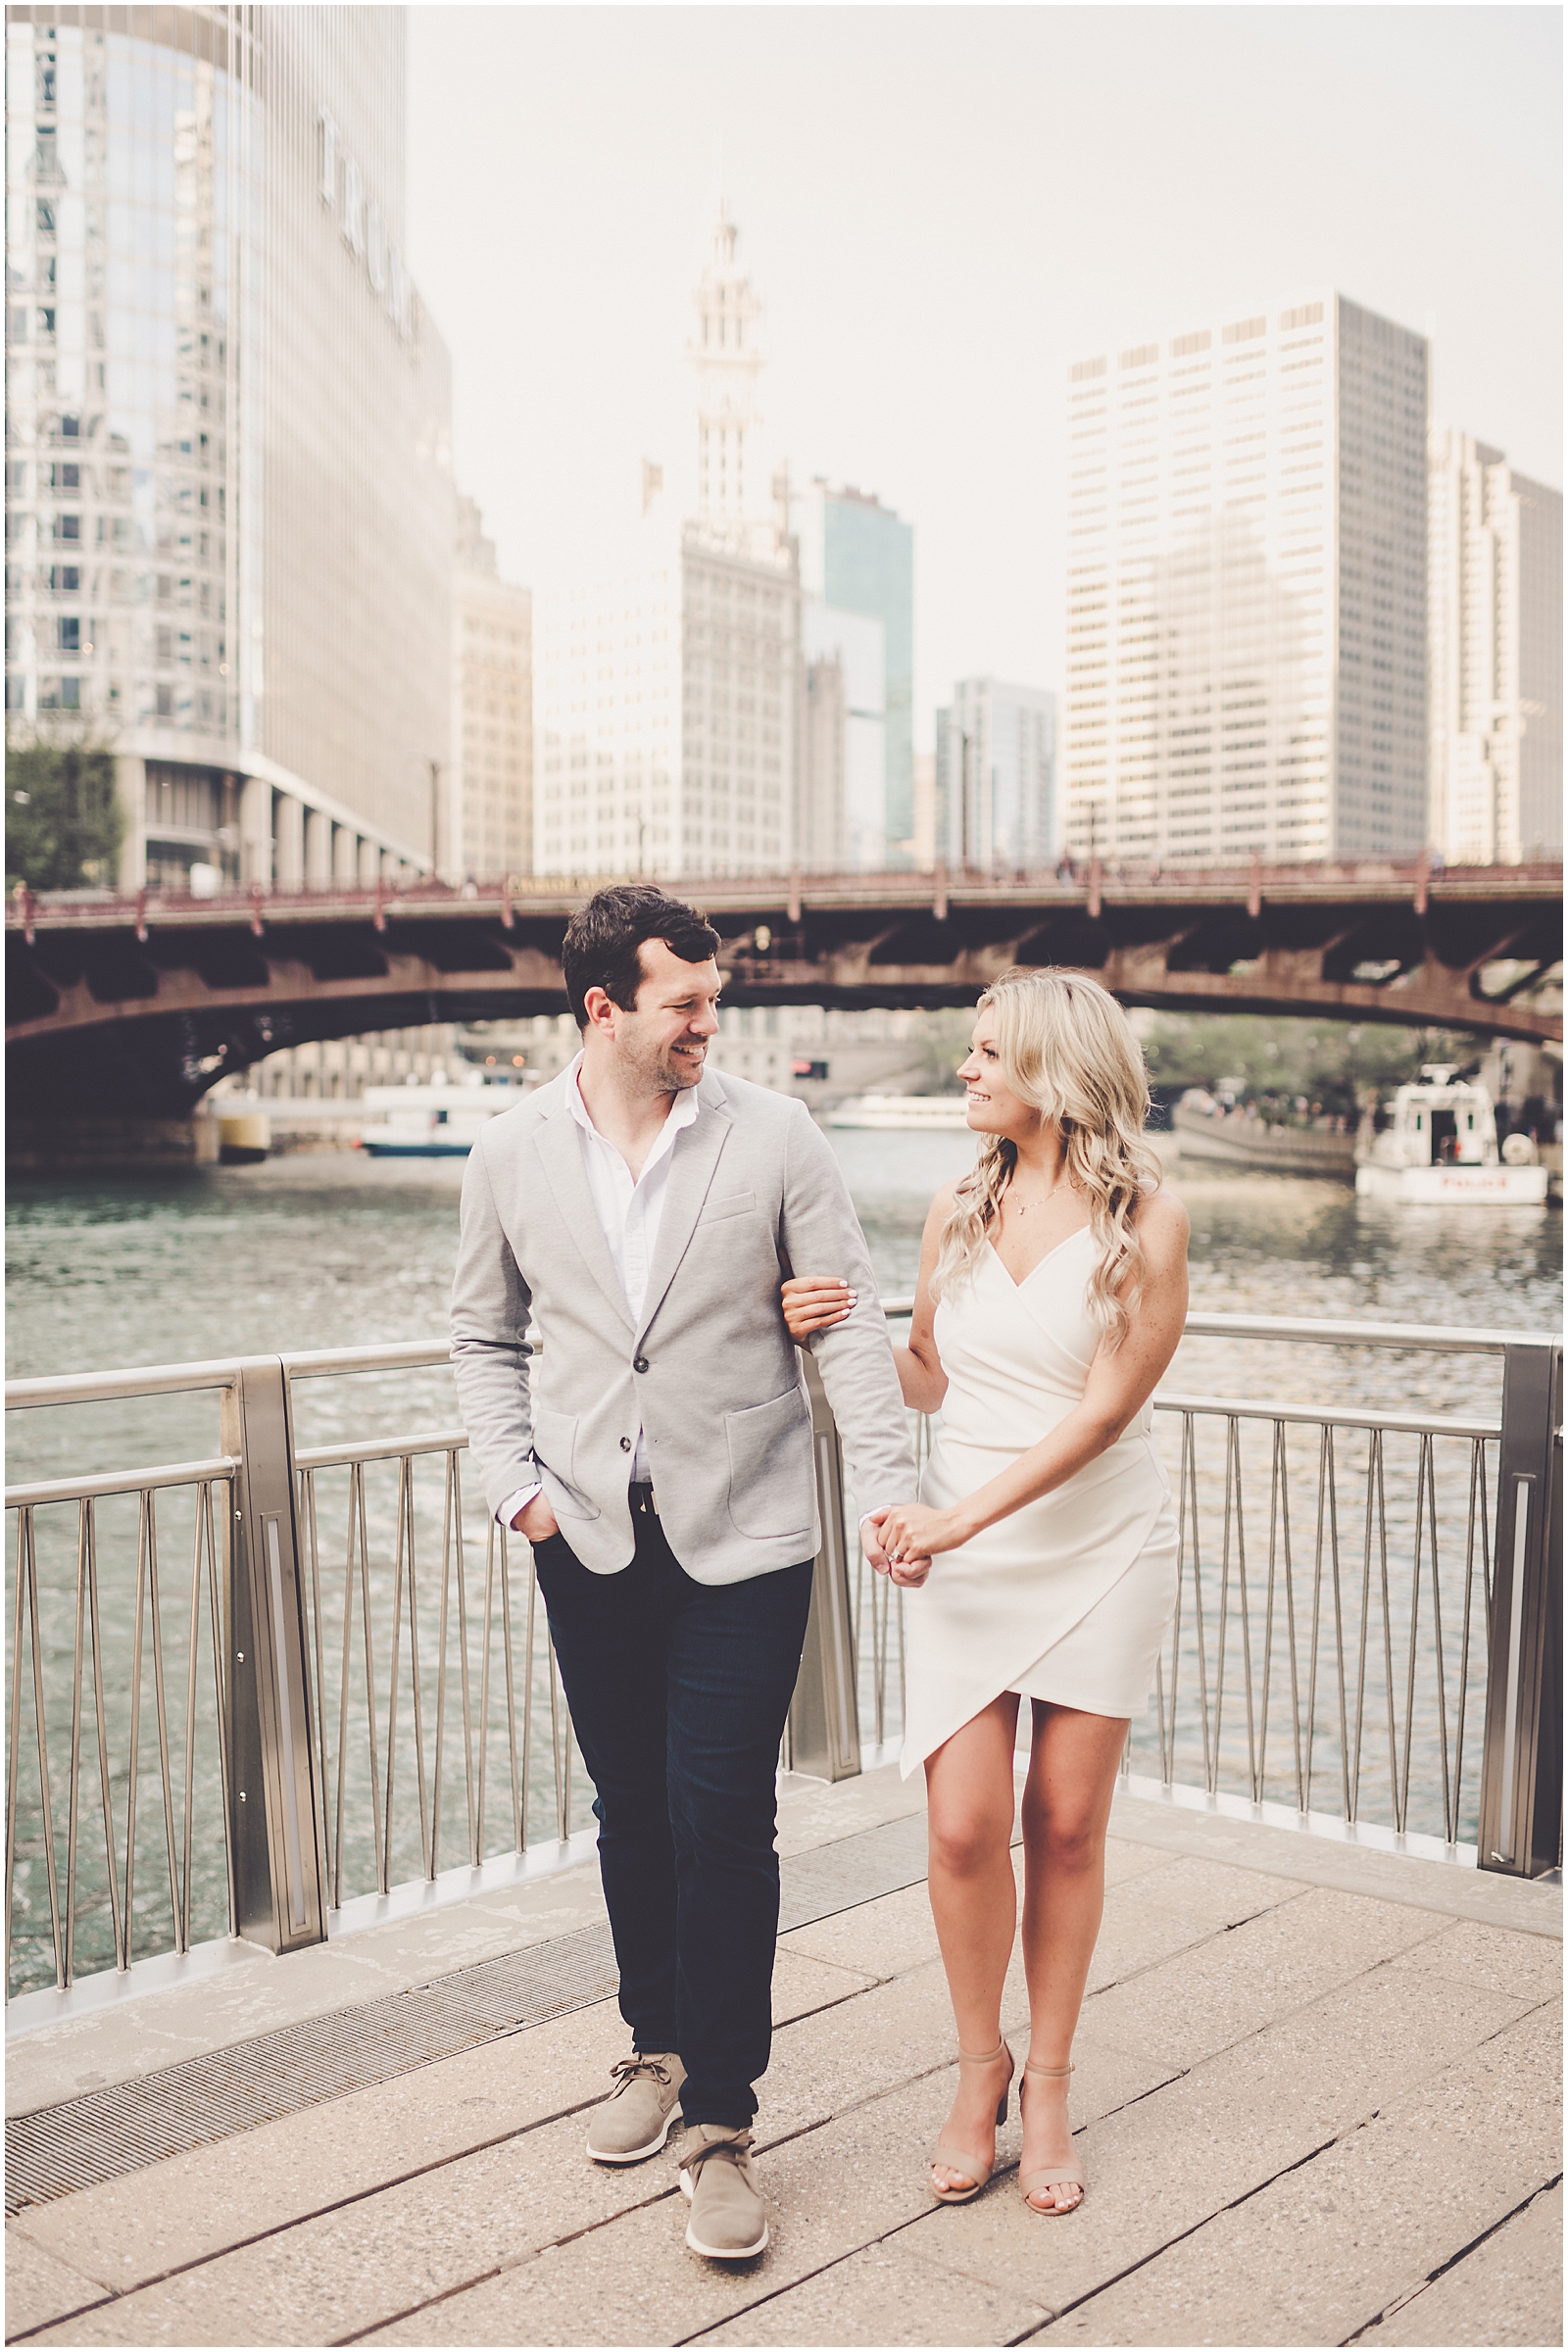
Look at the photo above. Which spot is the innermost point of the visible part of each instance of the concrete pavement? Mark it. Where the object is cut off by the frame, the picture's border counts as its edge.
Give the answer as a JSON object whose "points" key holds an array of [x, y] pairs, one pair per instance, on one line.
{"points": [[1316, 2090]]}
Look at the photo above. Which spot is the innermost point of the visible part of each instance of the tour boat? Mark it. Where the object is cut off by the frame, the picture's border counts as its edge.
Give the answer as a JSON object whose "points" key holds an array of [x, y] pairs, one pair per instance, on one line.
{"points": [[1440, 1144], [433, 1123], [945, 1112]]}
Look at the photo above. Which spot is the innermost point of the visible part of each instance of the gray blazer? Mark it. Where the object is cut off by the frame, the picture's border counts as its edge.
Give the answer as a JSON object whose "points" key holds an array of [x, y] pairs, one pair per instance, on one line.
{"points": [[710, 1372]]}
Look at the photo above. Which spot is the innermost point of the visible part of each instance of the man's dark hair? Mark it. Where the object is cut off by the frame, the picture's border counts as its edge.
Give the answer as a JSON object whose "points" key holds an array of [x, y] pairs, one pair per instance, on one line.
{"points": [[603, 939]]}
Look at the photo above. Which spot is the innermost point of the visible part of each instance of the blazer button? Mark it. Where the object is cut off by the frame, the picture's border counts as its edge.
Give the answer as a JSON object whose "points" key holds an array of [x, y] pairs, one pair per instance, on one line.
{"points": [[625, 1445], [640, 1364]]}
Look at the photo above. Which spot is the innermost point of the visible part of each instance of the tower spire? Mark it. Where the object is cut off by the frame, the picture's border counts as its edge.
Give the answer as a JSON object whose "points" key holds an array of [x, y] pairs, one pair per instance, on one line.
{"points": [[726, 356]]}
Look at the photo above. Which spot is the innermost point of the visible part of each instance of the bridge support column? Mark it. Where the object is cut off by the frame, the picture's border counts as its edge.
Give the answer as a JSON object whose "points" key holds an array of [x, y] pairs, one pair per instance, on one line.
{"points": [[256, 831], [290, 837], [318, 849]]}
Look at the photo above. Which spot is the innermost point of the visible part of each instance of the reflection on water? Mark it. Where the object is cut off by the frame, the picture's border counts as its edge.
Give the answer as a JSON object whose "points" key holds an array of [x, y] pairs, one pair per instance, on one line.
{"points": [[333, 1250]]}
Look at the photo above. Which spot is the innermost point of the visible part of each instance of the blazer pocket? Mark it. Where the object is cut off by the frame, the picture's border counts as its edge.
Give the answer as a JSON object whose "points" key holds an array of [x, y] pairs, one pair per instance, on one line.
{"points": [[731, 1205], [770, 1467], [555, 1446]]}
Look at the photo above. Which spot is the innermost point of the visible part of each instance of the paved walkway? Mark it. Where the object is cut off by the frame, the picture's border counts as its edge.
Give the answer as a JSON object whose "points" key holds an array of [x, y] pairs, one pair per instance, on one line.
{"points": [[1316, 2089]]}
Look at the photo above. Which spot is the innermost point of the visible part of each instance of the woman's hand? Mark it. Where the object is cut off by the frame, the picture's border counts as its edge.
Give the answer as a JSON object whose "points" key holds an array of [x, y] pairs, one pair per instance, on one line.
{"points": [[815, 1302], [908, 1535]]}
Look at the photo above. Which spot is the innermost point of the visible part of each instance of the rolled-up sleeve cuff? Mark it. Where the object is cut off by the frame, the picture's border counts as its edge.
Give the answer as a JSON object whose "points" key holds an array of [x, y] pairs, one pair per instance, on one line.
{"points": [[519, 1502]]}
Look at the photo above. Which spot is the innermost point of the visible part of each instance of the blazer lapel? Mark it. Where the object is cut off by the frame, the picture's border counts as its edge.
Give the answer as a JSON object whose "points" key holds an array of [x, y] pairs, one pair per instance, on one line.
{"points": [[693, 1163], [560, 1147]]}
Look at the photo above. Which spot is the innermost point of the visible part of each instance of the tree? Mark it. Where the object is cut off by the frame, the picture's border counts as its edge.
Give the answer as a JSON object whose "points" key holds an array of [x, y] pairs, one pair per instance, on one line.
{"points": [[64, 822], [1279, 1058]]}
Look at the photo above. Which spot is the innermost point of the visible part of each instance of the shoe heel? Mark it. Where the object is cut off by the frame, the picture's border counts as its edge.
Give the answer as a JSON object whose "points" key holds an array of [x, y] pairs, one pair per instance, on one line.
{"points": [[1002, 2111]]}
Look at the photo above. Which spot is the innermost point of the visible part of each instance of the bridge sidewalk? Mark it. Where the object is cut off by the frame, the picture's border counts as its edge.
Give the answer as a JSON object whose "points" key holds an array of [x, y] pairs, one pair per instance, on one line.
{"points": [[1314, 2089]]}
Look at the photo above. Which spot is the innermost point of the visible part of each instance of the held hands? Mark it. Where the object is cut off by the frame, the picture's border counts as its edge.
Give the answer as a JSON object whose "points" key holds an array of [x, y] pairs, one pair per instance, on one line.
{"points": [[903, 1540], [910, 1568], [536, 1520], [815, 1302]]}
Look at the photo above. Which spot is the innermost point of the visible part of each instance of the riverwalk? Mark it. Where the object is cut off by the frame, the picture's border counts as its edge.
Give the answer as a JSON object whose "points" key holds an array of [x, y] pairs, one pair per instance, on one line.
{"points": [[1316, 2091]]}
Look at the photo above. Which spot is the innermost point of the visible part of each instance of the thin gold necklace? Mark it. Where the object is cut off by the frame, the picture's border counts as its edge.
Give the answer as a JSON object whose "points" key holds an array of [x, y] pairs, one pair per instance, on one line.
{"points": [[1023, 1207]]}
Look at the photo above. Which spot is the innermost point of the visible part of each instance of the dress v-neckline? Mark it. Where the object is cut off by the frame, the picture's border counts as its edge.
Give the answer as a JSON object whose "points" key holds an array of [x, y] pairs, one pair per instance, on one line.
{"points": [[1039, 1262]]}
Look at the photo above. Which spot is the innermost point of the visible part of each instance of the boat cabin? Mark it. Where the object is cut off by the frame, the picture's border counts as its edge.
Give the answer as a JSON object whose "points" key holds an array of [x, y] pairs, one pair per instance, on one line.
{"points": [[1442, 1121]]}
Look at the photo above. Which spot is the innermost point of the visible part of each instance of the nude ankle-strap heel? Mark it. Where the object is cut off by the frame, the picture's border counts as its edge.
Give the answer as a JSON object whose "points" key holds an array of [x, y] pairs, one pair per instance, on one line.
{"points": [[976, 2170], [1049, 2176]]}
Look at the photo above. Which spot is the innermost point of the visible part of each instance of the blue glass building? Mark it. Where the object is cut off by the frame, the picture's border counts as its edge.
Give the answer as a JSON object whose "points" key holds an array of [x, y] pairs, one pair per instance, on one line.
{"points": [[858, 557]]}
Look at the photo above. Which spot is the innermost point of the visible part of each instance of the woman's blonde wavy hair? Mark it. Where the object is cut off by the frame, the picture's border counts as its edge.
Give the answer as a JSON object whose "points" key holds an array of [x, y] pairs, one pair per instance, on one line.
{"points": [[1066, 1047]]}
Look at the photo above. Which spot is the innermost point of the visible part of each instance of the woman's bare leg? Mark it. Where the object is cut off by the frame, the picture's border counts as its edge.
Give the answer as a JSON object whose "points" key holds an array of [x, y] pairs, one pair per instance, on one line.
{"points": [[970, 1792], [1066, 1808]]}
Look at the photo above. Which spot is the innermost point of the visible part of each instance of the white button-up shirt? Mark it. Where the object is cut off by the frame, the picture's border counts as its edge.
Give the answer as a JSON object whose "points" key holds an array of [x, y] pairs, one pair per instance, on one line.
{"points": [[629, 1214]]}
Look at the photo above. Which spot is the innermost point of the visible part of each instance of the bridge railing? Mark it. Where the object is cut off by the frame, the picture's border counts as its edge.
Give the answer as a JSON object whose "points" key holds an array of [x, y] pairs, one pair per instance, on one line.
{"points": [[251, 1690]]}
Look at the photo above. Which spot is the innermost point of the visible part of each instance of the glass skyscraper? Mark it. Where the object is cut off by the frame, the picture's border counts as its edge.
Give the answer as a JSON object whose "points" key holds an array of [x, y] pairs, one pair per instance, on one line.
{"points": [[229, 502], [995, 778], [858, 556]]}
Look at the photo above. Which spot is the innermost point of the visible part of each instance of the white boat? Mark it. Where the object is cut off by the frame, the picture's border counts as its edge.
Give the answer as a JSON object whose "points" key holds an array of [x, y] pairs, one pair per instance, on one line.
{"points": [[439, 1121], [944, 1112], [1440, 1144]]}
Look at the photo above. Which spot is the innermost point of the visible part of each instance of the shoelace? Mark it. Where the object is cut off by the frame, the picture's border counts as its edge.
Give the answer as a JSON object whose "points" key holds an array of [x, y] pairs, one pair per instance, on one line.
{"points": [[626, 2070]]}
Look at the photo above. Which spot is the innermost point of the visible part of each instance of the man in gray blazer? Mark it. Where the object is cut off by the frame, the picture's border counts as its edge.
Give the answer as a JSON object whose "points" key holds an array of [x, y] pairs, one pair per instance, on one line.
{"points": [[631, 1220]]}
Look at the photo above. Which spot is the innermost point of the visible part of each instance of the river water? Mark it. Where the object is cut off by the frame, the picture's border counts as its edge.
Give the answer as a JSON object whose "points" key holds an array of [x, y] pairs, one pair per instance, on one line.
{"points": [[326, 1250]]}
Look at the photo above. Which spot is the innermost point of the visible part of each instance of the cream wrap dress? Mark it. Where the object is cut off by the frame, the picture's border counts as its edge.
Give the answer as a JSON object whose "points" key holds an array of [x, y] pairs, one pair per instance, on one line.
{"points": [[1068, 1598]]}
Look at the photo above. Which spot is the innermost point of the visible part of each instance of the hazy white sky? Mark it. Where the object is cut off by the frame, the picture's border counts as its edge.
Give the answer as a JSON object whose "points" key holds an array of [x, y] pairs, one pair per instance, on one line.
{"points": [[941, 208]]}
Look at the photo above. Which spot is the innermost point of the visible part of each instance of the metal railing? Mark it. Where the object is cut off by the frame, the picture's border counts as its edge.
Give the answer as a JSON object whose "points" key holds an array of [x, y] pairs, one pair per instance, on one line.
{"points": [[296, 1649], [1339, 1603]]}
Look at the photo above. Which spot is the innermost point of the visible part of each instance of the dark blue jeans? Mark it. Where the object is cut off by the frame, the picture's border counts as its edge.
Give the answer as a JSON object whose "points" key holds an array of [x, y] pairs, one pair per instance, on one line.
{"points": [[678, 1694]]}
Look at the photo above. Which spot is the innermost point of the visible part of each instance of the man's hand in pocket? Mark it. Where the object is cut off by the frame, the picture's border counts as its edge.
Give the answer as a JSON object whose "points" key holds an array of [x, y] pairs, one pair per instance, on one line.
{"points": [[536, 1520]]}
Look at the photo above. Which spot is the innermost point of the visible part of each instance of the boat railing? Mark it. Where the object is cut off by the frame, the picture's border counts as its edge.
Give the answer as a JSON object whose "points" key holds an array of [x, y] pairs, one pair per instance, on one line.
{"points": [[253, 1690]]}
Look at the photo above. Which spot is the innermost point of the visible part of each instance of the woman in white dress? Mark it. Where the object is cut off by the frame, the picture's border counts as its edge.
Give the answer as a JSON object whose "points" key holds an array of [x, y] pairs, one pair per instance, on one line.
{"points": [[1051, 1296]]}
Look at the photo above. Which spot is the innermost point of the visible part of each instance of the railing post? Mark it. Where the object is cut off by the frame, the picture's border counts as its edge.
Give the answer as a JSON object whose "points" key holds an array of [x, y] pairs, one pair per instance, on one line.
{"points": [[1521, 1766], [824, 1725], [272, 1798]]}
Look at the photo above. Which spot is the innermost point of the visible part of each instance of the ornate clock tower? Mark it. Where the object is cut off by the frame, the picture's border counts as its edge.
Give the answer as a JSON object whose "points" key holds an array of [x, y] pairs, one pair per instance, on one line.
{"points": [[726, 354]]}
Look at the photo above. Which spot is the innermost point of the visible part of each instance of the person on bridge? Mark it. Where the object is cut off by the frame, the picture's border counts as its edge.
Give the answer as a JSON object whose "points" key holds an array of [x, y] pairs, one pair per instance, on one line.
{"points": [[629, 1220], [1052, 1292]]}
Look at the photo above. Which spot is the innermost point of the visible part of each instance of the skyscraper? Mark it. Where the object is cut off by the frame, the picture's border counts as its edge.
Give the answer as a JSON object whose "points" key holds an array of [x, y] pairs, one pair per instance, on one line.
{"points": [[492, 712], [856, 556], [995, 778], [1246, 649], [854, 646], [228, 508], [1495, 602], [666, 676]]}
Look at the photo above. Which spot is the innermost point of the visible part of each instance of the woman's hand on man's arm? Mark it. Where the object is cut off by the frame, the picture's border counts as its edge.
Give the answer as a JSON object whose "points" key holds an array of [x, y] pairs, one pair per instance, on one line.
{"points": [[815, 1302]]}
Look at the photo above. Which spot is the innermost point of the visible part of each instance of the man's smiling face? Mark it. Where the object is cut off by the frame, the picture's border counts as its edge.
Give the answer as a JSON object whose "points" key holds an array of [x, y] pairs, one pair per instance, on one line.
{"points": [[664, 1037]]}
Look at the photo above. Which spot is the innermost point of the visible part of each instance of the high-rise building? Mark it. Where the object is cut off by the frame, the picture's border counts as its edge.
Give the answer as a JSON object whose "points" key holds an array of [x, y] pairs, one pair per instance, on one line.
{"points": [[1494, 606], [229, 502], [995, 778], [853, 647], [856, 556], [492, 712], [666, 679], [1246, 647]]}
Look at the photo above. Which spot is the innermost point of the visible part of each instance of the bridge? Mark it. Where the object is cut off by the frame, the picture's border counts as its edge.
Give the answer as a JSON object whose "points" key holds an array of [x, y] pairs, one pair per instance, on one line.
{"points": [[134, 1008]]}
